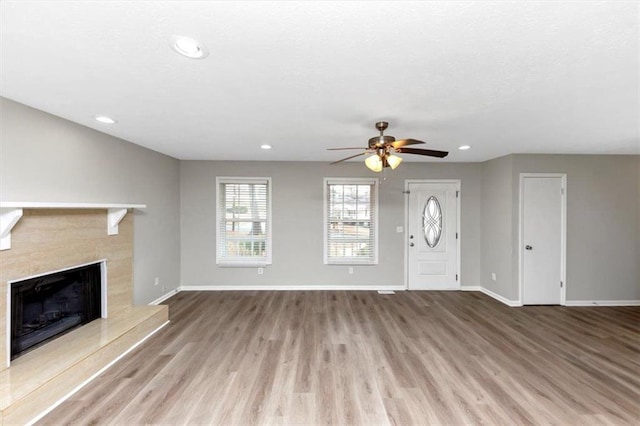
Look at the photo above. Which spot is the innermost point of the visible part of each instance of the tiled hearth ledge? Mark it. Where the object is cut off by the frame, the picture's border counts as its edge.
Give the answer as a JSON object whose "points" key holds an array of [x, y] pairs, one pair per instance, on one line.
{"points": [[39, 379]]}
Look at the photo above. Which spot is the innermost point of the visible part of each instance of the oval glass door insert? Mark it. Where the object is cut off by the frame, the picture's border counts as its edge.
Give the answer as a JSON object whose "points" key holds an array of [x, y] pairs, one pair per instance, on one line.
{"points": [[432, 221]]}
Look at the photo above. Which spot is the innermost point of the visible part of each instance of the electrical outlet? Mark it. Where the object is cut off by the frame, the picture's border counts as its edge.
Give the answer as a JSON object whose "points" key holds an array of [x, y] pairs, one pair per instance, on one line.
{"points": [[493, 276], [164, 288], [260, 271], [157, 281], [350, 270]]}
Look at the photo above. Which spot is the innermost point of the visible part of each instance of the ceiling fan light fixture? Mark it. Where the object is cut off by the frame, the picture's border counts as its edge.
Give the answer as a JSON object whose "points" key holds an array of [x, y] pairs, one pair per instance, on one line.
{"points": [[394, 161], [374, 163], [382, 147]]}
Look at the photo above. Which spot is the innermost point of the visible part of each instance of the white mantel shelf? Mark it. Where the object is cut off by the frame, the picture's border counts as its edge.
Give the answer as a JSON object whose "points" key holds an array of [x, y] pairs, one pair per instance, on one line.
{"points": [[46, 205], [11, 212]]}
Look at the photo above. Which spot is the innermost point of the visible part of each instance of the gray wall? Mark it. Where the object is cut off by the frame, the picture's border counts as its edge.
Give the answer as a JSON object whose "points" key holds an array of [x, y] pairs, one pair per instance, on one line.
{"points": [[46, 158], [603, 222], [497, 227], [298, 223]]}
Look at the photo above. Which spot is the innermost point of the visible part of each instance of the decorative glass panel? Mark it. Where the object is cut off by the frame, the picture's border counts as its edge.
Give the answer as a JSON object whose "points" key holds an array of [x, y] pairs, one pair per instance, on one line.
{"points": [[432, 222]]}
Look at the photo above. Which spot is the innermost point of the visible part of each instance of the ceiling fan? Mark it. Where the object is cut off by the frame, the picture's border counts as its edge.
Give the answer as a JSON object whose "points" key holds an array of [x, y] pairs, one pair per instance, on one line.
{"points": [[383, 148]]}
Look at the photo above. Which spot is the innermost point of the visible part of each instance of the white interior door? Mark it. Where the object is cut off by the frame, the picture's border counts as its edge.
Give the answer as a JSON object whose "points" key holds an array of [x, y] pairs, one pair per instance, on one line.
{"points": [[432, 230], [542, 240]]}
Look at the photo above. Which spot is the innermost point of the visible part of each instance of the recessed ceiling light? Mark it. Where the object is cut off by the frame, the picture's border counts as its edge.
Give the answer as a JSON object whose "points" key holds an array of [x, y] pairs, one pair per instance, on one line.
{"points": [[464, 147], [104, 119], [265, 146], [189, 47]]}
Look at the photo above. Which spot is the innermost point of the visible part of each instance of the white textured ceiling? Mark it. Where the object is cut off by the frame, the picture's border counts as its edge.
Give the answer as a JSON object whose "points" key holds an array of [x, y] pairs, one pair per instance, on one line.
{"points": [[504, 77]]}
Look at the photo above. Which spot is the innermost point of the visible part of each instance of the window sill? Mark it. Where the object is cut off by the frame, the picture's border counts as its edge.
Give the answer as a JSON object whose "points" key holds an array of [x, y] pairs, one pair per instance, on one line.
{"points": [[243, 264]]}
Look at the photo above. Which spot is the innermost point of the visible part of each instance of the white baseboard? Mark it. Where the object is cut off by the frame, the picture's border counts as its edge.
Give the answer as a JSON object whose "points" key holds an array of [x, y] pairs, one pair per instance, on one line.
{"points": [[496, 296], [290, 287], [164, 297], [512, 303], [602, 303], [470, 288]]}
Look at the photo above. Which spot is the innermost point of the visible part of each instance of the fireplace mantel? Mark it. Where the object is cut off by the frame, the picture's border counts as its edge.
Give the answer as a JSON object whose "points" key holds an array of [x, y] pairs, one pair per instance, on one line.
{"points": [[11, 212]]}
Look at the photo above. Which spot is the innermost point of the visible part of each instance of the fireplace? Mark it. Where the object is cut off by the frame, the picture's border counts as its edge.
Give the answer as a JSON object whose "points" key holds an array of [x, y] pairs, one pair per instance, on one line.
{"points": [[47, 306]]}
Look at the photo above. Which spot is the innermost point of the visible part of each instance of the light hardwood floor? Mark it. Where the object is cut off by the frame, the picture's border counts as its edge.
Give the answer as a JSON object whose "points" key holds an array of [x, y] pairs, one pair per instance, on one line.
{"points": [[329, 357]]}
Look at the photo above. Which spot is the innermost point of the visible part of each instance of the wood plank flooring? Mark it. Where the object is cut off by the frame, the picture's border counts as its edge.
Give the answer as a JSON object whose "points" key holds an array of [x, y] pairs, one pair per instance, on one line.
{"points": [[329, 357]]}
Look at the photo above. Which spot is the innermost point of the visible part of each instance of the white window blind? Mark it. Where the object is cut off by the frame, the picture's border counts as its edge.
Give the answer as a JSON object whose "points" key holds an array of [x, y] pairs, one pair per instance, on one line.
{"points": [[244, 221], [351, 229]]}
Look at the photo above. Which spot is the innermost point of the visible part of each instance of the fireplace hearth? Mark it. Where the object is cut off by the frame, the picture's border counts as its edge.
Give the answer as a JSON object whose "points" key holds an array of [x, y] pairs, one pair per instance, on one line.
{"points": [[48, 306]]}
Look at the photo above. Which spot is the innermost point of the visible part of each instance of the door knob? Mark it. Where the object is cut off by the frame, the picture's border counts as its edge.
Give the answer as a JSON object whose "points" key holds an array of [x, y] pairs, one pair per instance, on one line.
{"points": [[528, 247], [411, 244], [411, 237]]}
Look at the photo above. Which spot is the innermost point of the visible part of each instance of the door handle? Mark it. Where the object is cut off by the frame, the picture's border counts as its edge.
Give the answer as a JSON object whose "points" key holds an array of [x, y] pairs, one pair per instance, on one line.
{"points": [[411, 244], [528, 247]]}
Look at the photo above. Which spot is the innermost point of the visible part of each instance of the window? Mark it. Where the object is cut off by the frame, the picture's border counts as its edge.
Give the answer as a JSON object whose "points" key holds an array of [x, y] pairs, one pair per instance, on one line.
{"points": [[351, 228], [244, 221]]}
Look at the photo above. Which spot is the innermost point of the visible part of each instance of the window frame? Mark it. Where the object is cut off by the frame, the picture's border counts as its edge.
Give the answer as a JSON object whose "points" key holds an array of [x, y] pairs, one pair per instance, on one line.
{"points": [[370, 260], [239, 261]]}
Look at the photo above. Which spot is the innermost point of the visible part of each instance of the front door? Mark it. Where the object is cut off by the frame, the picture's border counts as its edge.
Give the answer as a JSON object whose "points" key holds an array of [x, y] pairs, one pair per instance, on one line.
{"points": [[542, 230], [432, 231]]}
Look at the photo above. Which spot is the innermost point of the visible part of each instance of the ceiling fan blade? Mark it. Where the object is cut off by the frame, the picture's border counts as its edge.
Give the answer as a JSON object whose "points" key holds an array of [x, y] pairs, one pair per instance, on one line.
{"points": [[349, 158], [337, 149], [404, 142], [429, 152]]}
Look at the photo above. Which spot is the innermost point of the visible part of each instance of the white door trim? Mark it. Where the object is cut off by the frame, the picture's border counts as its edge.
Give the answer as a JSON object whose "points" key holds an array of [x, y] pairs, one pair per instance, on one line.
{"points": [[406, 225], [563, 234]]}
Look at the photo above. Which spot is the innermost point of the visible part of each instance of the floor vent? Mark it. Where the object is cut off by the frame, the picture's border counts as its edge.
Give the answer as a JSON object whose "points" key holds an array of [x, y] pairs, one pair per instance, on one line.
{"points": [[386, 292]]}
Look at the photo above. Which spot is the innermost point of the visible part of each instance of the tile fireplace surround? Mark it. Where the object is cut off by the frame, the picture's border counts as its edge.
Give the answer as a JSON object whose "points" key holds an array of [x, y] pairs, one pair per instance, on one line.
{"points": [[48, 239]]}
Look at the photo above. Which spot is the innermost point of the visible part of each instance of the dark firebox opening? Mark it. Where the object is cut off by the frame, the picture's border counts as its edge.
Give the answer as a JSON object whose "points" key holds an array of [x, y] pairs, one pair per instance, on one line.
{"points": [[46, 307]]}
